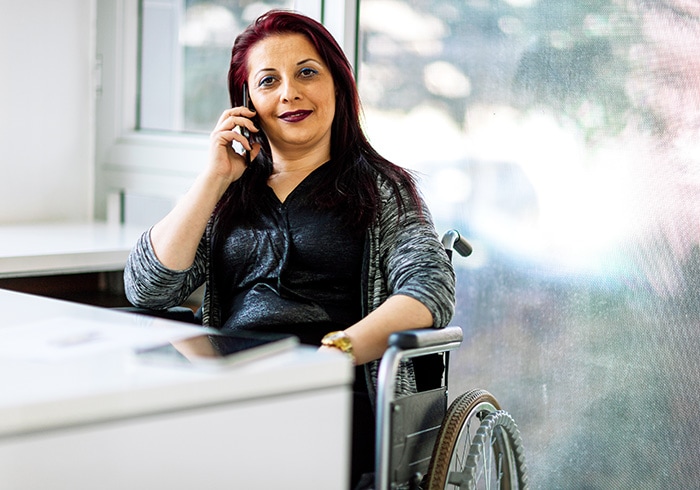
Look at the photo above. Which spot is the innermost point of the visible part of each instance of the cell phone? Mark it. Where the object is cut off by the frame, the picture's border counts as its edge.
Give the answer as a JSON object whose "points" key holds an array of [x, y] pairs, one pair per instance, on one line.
{"points": [[244, 131], [218, 350]]}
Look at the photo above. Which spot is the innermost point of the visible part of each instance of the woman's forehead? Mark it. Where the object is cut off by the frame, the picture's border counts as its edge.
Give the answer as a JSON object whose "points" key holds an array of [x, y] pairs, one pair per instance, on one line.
{"points": [[281, 49]]}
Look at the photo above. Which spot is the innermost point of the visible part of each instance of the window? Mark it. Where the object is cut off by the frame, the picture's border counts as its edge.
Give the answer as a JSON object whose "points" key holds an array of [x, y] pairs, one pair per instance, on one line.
{"points": [[561, 137], [151, 125], [185, 49]]}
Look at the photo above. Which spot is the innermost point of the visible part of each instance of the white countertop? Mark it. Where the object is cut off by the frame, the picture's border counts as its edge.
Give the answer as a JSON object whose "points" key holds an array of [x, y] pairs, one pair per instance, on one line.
{"points": [[64, 248], [106, 383]]}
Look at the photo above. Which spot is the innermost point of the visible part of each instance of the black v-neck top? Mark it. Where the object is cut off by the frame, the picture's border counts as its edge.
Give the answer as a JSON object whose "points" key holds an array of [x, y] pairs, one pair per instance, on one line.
{"points": [[295, 267]]}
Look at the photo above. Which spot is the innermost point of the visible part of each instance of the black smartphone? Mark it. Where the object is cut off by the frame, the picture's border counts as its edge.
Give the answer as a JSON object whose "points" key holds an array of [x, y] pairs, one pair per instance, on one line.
{"points": [[244, 131], [217, 350]]}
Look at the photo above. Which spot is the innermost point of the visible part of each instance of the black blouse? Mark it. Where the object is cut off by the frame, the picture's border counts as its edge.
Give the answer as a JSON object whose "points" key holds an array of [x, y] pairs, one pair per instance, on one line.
{"points": [[296, 268]]}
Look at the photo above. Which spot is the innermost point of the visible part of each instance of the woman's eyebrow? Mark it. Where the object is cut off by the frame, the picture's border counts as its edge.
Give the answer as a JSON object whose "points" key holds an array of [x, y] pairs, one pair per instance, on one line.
{"points": [[299, 63], [264, 70], [307, 60]]}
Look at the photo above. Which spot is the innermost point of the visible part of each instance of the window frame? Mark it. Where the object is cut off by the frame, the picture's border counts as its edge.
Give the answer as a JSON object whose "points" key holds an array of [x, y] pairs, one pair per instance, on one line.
{"points": [[158, 163]]}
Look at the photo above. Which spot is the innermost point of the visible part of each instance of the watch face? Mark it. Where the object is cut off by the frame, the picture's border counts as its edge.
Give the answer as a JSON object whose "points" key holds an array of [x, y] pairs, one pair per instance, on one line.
{"points": [[338, 340], [343, 343]]}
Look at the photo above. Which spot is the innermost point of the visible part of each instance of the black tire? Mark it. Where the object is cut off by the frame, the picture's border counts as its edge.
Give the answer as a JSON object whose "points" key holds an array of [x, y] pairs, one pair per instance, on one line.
{"points": [[479, 446]]}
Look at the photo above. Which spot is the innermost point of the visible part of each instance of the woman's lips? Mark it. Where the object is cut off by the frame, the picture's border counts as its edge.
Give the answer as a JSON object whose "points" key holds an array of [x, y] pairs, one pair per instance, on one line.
{"points": [[295, 116]]}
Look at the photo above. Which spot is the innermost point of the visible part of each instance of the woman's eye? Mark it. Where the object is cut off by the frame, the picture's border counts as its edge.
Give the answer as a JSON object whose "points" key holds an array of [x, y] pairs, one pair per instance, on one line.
{"points": [[266, 81], [307, 72]]}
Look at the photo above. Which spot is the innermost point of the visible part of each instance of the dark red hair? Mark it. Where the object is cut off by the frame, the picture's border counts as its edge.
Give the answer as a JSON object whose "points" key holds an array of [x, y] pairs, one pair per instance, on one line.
{"points": [[352, 186]]}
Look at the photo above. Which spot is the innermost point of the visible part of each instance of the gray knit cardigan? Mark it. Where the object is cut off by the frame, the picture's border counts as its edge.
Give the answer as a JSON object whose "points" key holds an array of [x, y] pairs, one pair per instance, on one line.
{"points": [[403, 255]]}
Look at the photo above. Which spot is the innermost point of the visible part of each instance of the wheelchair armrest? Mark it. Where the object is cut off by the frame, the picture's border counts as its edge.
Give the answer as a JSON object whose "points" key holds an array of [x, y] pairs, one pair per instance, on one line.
{"points": [[403, 345], [425, 337]]}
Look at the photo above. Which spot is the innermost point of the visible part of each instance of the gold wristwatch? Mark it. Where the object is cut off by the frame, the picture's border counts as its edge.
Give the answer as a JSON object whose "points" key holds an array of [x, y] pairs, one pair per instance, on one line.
{"points": [[339, 340]]}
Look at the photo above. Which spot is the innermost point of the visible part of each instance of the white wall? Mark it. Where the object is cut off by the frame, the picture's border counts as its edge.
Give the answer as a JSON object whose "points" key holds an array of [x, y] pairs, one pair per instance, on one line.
{"points": [[46, 110]]}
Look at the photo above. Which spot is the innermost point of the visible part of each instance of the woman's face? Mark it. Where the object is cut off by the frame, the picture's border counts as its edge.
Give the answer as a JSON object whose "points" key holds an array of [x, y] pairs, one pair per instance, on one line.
{"points": [[293, 93]]}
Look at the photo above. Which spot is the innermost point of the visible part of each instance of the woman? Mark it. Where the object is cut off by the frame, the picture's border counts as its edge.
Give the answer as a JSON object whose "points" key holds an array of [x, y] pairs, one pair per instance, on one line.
{"points": [[318, 235]]}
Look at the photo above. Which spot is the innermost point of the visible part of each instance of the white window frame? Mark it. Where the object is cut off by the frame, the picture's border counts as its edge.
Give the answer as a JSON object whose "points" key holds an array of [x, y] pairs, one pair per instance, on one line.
{"points": [[151, 163]]}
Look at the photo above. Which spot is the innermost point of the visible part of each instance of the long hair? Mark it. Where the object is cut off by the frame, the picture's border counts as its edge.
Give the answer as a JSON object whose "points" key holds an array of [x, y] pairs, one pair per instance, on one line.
{"points": [[351, 186]]}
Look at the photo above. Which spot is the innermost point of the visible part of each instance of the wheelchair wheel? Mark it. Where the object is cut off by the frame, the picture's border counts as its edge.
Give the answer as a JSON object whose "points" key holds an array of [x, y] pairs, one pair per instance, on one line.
{"points": [[478, 447]]}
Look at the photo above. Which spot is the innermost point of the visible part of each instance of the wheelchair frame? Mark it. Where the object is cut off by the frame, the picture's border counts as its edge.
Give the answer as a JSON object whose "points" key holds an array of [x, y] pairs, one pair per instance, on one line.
{"points": [[456, 454], [494, 452]]}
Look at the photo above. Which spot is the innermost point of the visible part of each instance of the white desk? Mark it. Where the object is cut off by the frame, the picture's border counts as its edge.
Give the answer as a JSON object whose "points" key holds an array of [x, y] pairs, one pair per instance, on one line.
{"points": [[64, 248], [101, 420]]}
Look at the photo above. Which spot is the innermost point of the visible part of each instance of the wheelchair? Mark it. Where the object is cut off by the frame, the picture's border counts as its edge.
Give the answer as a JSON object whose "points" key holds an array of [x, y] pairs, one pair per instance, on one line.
{"points": [[421, 443]]}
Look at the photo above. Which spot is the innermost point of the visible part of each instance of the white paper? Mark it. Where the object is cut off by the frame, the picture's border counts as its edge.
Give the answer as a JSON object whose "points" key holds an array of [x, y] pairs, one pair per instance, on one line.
{"points": [[64, 337]]}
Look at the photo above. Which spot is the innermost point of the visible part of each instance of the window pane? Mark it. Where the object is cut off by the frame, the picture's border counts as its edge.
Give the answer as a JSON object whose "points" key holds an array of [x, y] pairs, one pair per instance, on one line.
{"points": [[561, 137], [185, 53]]}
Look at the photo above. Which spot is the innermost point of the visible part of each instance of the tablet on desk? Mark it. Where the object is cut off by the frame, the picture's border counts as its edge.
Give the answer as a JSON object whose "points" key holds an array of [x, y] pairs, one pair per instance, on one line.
{"points": [[218, 350]]}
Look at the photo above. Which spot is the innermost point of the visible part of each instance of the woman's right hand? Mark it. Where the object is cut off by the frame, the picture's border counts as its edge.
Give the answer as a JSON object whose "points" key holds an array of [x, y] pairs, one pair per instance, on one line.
{"points": [[176, 237], [224, 162]]}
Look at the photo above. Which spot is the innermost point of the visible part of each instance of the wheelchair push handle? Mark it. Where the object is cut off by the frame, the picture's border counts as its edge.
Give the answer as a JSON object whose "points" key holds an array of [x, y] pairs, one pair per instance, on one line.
{"points": [[452, 240]]}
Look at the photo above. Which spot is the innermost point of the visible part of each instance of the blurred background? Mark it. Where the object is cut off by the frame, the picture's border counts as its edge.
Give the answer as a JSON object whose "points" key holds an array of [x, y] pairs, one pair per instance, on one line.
{"points": [[562, 138]]}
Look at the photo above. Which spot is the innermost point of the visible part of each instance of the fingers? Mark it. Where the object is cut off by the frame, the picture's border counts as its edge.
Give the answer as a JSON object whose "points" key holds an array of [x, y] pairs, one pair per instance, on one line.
{"points": [[228, 128], [238, 116]]}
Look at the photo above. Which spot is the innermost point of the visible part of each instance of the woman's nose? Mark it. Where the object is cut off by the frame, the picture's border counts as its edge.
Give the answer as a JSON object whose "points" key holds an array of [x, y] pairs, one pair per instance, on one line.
{"points": [[290, 91]]}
